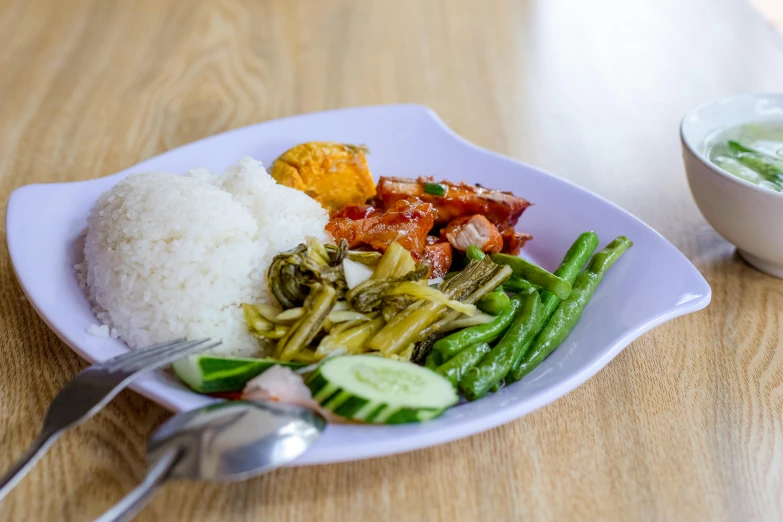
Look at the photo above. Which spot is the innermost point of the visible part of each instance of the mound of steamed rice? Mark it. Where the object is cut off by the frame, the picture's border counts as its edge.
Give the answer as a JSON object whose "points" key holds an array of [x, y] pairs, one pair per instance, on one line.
{"points": [[169, 256]]}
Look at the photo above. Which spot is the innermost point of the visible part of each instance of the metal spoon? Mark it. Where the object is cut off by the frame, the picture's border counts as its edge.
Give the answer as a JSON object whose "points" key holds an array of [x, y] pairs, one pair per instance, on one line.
{"points": [[221, 442]]}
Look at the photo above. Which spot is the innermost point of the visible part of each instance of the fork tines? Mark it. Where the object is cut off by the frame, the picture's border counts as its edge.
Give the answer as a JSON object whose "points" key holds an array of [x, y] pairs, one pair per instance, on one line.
{"points": [[157, 355]]}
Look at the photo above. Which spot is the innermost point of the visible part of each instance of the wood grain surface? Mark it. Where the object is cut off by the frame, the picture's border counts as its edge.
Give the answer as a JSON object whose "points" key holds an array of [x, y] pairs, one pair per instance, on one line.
{"points": [[685, 424]]}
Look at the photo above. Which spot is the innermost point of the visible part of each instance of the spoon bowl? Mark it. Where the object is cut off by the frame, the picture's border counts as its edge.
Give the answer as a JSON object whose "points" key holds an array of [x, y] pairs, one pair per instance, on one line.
{"points": [[222, 442], [235, 440]]}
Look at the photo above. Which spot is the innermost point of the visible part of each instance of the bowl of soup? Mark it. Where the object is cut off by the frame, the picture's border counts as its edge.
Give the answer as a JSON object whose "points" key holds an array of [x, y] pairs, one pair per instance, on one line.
{"points": [[733, 153]]}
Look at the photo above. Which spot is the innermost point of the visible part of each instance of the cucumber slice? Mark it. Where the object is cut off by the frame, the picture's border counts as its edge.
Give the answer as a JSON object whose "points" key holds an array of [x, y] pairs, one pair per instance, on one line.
{"points": [[373, 389], [210, 374]]}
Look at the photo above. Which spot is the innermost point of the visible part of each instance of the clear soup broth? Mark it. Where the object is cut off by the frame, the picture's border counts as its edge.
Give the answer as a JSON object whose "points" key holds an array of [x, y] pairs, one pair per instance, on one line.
{"points": [[753, 152]]}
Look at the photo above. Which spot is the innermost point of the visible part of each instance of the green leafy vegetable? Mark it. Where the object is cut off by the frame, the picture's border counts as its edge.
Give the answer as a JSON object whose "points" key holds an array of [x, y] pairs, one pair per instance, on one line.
{"points": [[768, 167], [369, 295], [293, 273], [317, 306], [352, 340], [422, 319], [427, 293]]}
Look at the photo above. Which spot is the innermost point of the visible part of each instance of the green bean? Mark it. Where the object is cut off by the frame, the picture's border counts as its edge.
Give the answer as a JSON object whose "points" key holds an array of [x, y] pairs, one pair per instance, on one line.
{"points": [[494, 303], [456, 367], [433, 360], [453, 344], [516, 284], [474, 253], [498, 362], [568, 312], [578, 254], [576, 257], [535, 274]]}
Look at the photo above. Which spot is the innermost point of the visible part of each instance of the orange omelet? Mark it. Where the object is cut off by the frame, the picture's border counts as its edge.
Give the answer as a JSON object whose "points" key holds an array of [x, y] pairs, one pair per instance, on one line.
{"points": [[334, 174]]}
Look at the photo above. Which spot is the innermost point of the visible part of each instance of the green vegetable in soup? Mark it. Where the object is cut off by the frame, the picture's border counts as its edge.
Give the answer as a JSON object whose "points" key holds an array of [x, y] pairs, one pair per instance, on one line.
{"points": [[751, 152]]}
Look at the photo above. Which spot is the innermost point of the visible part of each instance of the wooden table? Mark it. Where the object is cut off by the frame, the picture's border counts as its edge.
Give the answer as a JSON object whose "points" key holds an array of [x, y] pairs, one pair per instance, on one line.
{"points": [[686, 424]]}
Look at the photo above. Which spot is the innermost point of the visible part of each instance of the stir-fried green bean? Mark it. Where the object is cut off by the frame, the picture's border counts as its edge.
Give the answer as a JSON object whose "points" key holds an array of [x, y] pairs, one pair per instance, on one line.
{"points": [[568, 312], [453, 344], [474, 253], [516, 284], [498, 362], [576, 257], [455, 368], [535, 274], [494, 303], [433, 360]]}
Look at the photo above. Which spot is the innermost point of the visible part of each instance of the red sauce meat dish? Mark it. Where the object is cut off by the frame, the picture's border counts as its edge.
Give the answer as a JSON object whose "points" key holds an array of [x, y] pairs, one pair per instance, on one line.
{"points": [[432, 219]]}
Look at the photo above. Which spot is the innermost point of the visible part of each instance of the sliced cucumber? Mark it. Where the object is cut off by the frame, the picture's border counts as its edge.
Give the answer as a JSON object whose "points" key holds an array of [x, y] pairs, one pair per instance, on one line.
{"points": [[210, 374], [378, 390]]}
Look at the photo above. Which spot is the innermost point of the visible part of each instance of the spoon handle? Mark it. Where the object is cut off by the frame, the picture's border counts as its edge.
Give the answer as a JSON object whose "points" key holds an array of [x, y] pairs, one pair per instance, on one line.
{"points": [[20, 468], [133, 502]]}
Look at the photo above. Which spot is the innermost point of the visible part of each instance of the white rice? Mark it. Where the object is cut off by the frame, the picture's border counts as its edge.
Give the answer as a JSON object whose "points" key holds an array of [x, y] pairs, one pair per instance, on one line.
{"points": [[98, 330], [169, 256]]}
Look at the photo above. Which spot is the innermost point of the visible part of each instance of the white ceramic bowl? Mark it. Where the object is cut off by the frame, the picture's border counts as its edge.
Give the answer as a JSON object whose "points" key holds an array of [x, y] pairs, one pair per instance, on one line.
{"points": [[748, 216]]}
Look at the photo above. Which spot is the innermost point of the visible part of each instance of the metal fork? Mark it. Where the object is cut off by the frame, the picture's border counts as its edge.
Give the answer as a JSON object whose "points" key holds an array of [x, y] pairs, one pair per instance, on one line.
{"points": [[90, 391]]}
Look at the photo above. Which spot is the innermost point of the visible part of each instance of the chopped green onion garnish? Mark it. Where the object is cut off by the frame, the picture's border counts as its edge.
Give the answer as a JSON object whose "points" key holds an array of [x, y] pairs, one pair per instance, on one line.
{"points": [[436, 189]]}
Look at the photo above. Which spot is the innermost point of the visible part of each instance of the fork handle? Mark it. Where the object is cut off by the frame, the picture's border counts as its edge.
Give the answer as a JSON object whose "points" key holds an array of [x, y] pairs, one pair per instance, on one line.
{"points": [[133, 502], [20, 468]]}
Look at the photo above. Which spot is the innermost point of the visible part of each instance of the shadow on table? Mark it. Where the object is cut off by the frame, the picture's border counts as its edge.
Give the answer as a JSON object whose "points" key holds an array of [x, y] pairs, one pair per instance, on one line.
{"points": [[324, 491]]}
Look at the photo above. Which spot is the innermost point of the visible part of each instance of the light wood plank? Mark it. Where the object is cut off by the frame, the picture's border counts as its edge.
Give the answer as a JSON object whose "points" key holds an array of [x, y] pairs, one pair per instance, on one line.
{"points": [[685, 424]]}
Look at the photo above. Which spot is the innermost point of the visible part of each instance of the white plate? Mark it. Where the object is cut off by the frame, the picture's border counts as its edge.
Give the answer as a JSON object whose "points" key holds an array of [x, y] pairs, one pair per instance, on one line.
{"points": [[44, 223]]}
